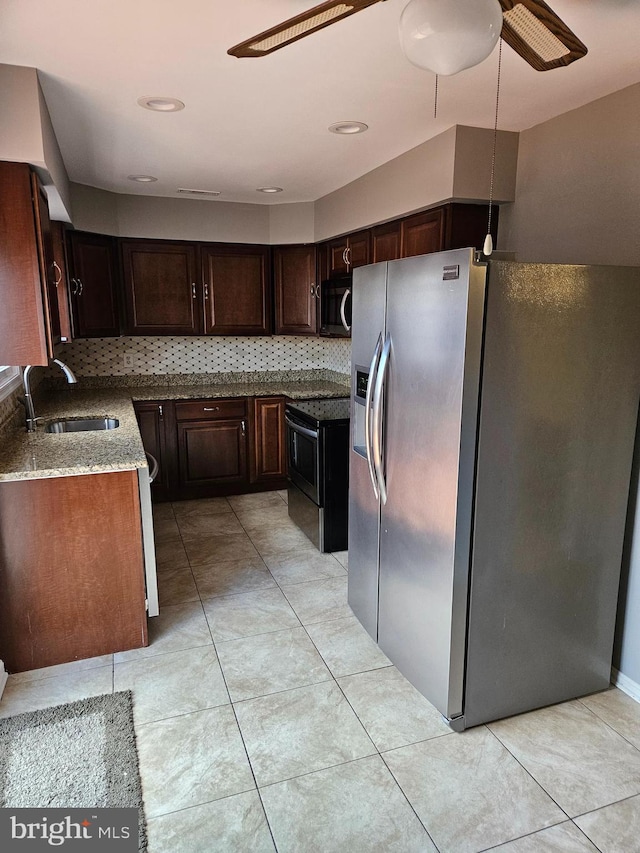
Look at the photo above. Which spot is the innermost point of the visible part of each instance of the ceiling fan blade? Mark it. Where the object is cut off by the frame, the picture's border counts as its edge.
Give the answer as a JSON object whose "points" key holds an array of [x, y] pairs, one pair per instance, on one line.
{"points": [[534, 31], [299, 27]]}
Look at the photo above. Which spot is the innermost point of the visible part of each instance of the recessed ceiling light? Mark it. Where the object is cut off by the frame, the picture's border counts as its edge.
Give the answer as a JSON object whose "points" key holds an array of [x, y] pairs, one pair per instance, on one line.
{"points": [[348, 127], [142, 179], [163, 105], [269, 189]]}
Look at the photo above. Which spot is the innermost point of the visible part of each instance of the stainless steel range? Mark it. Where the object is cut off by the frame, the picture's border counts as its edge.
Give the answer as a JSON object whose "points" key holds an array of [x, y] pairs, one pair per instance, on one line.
{"points": [[318, 457]]}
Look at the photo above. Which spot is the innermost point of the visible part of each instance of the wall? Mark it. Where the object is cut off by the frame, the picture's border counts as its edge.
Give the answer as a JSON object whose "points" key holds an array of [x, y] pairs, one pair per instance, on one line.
{"points": [[455, 164], [192, 355], [578, 201], [578, 186]]}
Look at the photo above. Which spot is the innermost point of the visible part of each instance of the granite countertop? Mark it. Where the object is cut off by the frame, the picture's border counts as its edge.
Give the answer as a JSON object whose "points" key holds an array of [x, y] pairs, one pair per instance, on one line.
{"points": [[37, 455]]}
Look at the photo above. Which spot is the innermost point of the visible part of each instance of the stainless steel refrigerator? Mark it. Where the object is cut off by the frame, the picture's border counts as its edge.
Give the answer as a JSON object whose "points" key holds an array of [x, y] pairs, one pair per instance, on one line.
{"points": [[494, 412]]}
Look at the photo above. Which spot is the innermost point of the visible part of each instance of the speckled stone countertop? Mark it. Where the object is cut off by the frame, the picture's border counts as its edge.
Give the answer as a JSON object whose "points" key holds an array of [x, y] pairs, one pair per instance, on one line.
{"points": [[34, 455]]}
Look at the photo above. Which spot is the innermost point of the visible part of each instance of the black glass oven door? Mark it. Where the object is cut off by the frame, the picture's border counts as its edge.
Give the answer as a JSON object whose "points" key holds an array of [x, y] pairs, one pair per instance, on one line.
{"points": [[303, 448]]}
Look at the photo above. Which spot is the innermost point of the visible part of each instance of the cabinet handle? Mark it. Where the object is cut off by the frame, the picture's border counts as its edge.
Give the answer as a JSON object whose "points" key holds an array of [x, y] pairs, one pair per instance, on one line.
{"points": [[193, 290], [59, 271], [81, 286], [74, 288], [206, 291], [313, 290], [317, 291], [344, 256], [161, 412], [348, 254], [243, 427], [211, 408]]}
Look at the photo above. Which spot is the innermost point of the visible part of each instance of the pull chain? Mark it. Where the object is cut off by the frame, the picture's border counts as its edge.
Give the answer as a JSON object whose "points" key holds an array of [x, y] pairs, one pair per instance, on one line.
{"points": [[487, 249]]}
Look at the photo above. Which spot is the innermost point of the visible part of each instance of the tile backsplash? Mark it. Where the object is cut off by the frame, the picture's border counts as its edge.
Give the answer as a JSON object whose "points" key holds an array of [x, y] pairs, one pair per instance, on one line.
{"points": [[174, 355]]}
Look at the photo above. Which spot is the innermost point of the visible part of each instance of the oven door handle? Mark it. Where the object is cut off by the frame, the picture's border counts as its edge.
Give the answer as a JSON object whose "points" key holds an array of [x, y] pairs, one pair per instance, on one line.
{"points": [[310, 433], [345, 296]]}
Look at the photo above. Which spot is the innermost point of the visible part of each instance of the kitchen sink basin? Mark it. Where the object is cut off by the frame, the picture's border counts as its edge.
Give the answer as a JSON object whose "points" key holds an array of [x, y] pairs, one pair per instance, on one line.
{"points": [[82, 424]]}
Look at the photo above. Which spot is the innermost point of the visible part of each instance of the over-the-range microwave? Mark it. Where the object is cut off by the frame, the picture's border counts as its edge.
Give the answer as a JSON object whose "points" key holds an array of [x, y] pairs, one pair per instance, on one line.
{"points": [[335, 307]]}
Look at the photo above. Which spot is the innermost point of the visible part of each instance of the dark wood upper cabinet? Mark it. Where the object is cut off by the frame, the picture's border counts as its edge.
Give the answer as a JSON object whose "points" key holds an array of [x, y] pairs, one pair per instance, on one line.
{"points": [[45, 259], [386, 242], [162, 295], [466, 225], [296, 293], [346, 253], [423, 233], [25, 287], [61, 280], [93, 280], [236, 282]]}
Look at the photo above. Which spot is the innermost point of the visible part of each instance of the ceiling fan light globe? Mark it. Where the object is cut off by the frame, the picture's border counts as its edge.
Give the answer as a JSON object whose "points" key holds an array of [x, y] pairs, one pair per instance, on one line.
{"points": [[447, 36]]}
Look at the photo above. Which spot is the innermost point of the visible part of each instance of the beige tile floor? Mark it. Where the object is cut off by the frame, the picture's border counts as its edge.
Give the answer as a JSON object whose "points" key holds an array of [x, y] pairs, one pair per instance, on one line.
{"points": [[268, 720]]}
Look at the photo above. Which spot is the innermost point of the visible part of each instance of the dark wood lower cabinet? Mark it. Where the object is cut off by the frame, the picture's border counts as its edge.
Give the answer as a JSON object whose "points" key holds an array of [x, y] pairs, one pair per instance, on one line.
{"points": [[154, 420], [71, 569], [269, 458], [212, 454], [206, 448]]}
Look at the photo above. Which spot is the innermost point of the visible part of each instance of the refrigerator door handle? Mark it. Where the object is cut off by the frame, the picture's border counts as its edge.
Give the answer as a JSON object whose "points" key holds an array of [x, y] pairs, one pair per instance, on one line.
{"points": [[367, 414], [377, 418], [343, 303]]}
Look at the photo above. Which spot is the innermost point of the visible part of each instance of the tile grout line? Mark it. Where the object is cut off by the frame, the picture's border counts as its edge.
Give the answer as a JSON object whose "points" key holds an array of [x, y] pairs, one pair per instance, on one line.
{"points": [[607, 723], [539, 784]]}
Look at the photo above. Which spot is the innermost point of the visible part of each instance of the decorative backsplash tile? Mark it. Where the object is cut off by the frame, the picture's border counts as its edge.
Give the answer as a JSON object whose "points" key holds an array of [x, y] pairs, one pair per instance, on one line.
{"points": [[188, 355]]}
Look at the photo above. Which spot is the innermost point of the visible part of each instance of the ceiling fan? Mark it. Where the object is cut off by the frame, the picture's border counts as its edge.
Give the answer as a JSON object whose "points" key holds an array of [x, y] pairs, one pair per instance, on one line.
{"points": [[530, 27]]}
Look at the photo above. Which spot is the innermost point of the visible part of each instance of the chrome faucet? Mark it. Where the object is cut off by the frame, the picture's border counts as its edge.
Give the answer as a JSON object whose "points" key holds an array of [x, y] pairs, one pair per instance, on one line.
{"points": [[32, 420]]}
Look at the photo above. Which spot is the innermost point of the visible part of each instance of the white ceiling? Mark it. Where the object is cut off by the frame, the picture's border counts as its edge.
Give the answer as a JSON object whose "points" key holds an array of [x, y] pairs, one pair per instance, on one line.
{"points": [[260, 122]]}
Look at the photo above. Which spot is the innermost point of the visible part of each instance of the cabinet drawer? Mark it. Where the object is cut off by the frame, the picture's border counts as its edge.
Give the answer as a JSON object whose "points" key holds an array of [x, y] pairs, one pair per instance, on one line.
{"points": [[205, 409]]}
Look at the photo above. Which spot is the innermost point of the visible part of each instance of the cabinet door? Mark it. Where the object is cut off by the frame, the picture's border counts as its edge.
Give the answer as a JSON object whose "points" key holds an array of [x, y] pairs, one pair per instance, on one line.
{"points": [[467, 225], [23, 337], [358, 254], [269, 451], [385, 242], [423, 233], [152, 420], [45, 258], [294, 270], [212, 452], [337, 256], [93, 285], [162, 297], [61, 280], [237, 291]]}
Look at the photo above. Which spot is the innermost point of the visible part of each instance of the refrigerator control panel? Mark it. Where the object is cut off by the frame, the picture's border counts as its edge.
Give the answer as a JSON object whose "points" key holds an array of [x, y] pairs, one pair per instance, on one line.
{"points": [[362, 381]]}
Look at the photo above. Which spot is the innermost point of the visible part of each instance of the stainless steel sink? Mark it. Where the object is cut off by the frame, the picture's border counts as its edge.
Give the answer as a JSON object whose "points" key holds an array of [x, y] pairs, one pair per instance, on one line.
{"points": [[81, 424]]}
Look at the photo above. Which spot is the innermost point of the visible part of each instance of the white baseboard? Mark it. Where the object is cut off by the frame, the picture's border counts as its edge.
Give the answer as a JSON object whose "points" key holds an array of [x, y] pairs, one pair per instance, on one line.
{"points": [[626, 684], [3, 678]]}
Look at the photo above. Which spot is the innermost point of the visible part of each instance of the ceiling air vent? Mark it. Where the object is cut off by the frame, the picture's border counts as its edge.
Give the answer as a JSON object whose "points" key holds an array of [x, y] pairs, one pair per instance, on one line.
{"points": [[206, 193]]}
